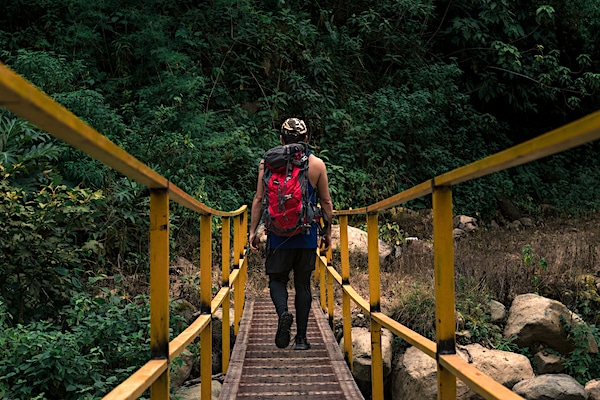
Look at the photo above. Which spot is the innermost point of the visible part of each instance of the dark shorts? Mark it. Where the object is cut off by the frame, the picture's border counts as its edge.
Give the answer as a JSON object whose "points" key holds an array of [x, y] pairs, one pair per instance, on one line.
{"points": [[285, 260]]}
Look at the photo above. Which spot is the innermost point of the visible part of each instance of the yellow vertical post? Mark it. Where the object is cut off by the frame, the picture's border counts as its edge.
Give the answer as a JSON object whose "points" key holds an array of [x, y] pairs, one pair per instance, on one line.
{"points": [[330, 293], [159, 287], [243, 243], [374, 295], [205, 300], [237, 290], [225, 265], [346, 314], [317, 274], [443, 255], [322, 282]]}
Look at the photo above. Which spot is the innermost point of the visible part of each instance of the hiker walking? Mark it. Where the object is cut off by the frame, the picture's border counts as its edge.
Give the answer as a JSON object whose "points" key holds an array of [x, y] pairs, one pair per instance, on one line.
{"points": [[290, 178]]}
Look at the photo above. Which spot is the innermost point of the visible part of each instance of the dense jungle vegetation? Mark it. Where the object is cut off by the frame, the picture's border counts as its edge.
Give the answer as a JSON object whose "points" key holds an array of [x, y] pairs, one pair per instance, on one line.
{"points": [[394, 92]]}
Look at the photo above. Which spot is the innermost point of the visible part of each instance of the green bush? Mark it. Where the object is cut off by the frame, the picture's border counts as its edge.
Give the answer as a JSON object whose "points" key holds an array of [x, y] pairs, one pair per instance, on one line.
{"points": [[46, 245], [580, 364], [416, 310], [472, 305], [100, 342], [393, 93]]}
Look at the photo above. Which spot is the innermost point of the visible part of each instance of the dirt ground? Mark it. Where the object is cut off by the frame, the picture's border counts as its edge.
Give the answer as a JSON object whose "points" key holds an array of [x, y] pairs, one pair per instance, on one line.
{"points": [[548, 257]]}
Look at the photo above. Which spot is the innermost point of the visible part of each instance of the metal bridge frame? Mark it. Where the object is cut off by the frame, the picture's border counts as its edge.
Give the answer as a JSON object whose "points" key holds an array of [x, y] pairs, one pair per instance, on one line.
{"points": [[449, 365], [23, 99]]}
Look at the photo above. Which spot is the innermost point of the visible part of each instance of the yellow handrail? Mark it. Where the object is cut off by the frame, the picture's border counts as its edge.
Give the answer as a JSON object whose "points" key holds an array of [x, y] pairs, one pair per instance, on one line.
{"points": [[450, 366], [23, 99]]}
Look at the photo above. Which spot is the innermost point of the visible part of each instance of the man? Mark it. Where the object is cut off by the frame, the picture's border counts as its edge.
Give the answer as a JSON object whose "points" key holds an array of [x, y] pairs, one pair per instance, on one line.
{"points": [[293, 253]]}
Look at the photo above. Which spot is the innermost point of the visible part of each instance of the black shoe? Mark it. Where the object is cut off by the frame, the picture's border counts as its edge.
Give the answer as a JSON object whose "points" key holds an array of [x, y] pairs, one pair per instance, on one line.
{"points": [[282, 338], [301, 343]]}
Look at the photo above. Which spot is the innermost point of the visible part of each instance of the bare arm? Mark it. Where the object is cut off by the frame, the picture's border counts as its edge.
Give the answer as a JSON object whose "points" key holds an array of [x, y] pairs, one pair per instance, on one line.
{"points": [[322, 186], [256, 210]]}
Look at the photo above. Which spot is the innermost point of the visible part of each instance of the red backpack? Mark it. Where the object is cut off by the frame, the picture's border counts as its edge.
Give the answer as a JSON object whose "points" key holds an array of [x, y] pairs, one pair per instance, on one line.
{"points": [[287, 209]]}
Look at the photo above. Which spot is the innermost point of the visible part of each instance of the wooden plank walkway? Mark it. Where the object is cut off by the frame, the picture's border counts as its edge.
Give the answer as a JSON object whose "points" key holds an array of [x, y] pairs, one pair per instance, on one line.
{"points": [[259, 370]]}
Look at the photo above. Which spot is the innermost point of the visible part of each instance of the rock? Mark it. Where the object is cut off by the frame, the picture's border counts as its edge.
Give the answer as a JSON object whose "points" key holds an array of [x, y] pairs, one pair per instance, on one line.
{"points": [[216, 389], [526, 222], [592, 388], [515, 225], [463, 336], [193, 392], [550, 386], [548, 210], [217, 345], [181, 368], [509, 209], [361, 353], [357, 242], [465, 223], [458, 233], [503, 366], [548, 363], [415, 374], [414, 377], [534, 319], [219, 314], [184, 313], [497, 311]]}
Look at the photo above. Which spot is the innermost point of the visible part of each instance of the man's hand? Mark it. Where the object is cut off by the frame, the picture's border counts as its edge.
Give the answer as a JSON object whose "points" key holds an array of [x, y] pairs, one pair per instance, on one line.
{"points": [[254, 243], [325, 243]]}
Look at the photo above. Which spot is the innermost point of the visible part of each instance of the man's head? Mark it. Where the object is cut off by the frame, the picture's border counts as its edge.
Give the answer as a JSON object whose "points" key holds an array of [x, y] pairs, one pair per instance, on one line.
{"points": [[293, 130]]}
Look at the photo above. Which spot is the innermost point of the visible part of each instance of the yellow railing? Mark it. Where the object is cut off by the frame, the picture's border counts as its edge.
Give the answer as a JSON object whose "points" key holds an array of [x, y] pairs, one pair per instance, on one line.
{"points": [[450, 365], [23, 99]]}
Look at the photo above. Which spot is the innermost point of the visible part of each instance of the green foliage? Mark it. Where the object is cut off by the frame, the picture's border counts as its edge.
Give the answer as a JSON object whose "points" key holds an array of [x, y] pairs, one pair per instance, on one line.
{"points": [[50, 72], [580, 364], [472, 304], [416, 310], [49, 362], [99, 343], [402, 143], [521, 56], [391, 232], [46, 244], [27, 149], [535, 267], [587, 298], [394, 94], [47, 238], [123, 227]]}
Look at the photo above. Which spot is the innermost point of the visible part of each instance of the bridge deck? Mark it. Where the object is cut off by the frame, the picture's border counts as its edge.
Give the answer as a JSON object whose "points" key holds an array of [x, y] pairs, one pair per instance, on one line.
{"points": [[260, 370]]}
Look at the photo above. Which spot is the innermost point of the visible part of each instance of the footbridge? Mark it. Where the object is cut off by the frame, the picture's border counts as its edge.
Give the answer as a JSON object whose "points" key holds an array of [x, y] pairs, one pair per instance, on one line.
{"points": [[256, 368], [259, 370]]}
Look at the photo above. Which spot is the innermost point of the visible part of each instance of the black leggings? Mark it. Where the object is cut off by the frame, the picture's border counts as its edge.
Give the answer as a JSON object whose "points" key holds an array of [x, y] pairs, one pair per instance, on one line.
{"points": [[302, 262]]}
